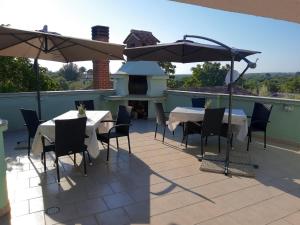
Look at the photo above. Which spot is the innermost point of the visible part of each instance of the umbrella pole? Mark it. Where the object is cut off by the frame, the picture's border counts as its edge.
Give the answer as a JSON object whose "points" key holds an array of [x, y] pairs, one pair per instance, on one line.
{"points": [[38, 95], [228, 147]]}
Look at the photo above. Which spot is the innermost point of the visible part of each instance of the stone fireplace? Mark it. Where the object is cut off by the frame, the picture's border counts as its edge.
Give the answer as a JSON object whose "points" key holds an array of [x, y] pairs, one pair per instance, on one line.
{"points": [[139, 84]]}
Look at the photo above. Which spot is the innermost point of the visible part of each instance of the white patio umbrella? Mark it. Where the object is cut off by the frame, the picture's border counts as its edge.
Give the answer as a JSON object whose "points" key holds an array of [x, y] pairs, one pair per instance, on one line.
{"points": [[55, 47], [277, 9]]}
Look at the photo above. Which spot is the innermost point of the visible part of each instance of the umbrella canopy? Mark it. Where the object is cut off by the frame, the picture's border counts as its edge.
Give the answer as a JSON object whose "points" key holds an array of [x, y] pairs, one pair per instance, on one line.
{"points": [[276, 9], [55, 47], [185, 51]]}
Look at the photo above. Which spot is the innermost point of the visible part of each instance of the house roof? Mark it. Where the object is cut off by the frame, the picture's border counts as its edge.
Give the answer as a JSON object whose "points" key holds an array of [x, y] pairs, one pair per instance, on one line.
{"points": [[142, 35], [142, 68]]}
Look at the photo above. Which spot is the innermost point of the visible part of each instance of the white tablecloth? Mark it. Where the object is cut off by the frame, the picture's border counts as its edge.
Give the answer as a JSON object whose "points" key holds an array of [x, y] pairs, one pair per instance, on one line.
{"points": [[93, 123], [183, 114]]}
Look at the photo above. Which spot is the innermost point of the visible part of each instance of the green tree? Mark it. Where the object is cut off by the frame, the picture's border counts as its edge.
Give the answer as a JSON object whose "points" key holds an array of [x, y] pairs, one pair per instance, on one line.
{"points": [[292, 85], [70, 72], [82, 70], [168, 67], [17, 75], [208, 74]]}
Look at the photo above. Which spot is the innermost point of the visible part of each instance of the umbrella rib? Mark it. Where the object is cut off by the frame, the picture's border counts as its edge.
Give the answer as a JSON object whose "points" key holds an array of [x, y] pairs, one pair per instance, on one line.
{"points": [[55, 47], [94, 49], [40, 49], [76, 43], [20, 39], [26, 41], [154, 50]]}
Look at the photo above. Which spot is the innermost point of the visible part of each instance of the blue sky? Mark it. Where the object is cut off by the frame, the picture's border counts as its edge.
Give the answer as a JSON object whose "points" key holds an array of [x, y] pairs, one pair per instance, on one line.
{"points": [[167, 20]]}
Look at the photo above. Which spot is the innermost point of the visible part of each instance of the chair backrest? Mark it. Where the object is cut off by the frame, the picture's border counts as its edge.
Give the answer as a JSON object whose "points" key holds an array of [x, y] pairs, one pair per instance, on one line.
{"points": [[160, 114], [260, 115], [88, 104], [31, 120], [124, 117], [69, 136], [198, 102], [212, 121]]}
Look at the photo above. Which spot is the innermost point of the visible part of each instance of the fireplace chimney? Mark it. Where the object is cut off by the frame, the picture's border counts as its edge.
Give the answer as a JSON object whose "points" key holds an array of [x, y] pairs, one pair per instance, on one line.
{"points": [[101, 67]]}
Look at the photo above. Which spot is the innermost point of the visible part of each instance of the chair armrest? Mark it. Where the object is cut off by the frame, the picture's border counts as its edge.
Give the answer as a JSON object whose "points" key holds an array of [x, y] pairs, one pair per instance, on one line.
{"points": [[119, 125], [196, 123], [260, 121], [249, 117], [105, 121], [47, 138]]}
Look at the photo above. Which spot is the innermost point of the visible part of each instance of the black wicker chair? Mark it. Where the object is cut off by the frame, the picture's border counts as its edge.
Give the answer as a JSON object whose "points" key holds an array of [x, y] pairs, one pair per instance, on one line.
{"points": [[212, 125], [88, 104], [120, 129], [69, 139], [259, 121], [31, 122], [198, 102], [190, 128], [193, 127], [161, 119]]}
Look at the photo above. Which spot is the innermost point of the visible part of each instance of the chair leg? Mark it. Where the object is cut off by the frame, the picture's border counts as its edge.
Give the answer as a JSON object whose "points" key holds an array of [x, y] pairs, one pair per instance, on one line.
{"points": [[128, 139], [107, 155], [155, 130], [44, 160], [219, 143], [74, 159], [117, 143], [183, 137], [265, 139], [202, 153], [183, 133], [89, 158], [84, 163], [28, 146], [249, 140], [186, 140], [173, 132], [164, 133], [57, 169], [231, 140], [206, 140]]}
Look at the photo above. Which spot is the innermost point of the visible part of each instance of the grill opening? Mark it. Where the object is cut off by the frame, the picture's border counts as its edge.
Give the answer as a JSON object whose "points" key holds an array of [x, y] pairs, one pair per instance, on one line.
{"points": [[137, 85], [139, 109]]}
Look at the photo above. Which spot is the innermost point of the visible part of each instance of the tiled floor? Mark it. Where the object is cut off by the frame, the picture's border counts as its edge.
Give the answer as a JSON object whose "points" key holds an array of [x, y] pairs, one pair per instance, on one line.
{"points": [[158, 184]]}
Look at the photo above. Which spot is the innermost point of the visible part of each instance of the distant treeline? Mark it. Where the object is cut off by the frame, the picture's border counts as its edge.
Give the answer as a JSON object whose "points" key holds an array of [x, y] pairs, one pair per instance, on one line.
{"points": [[272, 84]]}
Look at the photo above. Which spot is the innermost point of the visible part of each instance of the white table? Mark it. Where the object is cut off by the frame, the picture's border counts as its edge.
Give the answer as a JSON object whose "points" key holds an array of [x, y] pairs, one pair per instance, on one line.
{"points": [[183, 114], [94, 119]]}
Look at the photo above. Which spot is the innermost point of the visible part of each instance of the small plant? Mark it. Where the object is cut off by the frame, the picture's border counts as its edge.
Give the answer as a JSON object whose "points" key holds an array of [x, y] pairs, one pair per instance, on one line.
{"points": [[81, 110]]}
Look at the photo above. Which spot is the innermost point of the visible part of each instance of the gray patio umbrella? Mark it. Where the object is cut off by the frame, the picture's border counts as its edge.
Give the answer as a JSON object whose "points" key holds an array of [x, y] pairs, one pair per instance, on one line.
{"points": [[186, 51], [277, 9], [55, 47]]}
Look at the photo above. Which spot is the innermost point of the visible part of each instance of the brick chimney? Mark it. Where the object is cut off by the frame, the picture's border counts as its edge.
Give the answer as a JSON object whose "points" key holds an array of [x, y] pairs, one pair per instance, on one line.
{"points": [[101, 67]]}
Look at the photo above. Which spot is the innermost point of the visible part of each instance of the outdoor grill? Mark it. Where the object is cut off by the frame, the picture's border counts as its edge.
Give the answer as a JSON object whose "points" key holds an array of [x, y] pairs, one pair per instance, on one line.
{"points": [[139, 84]]}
